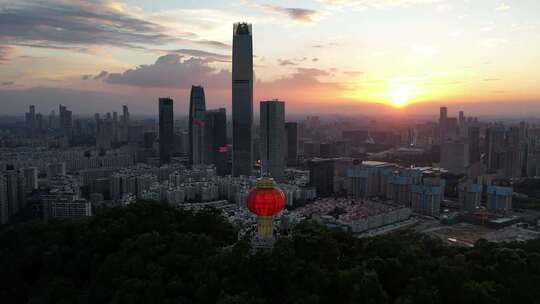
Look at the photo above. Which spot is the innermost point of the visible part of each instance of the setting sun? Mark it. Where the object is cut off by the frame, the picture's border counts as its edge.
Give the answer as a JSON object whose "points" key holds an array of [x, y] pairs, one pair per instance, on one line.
{"points": [[399, 100], [400, 96]]}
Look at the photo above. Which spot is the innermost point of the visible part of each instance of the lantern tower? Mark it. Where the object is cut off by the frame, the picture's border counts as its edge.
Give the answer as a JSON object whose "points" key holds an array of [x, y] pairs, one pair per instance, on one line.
{"points": [[265, 200]]}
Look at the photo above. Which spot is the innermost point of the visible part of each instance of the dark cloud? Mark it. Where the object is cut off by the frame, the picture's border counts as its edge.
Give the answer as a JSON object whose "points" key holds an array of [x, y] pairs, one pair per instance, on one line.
{"points": [[207, 56], [86, 77], [101, 75], [176, 71], [302, 78], [285, 62], [315, 59], [300, 14], [7, 83], [172, 71], [49, 45], [297, 14], [212, 43], [71, 24], [491, 79]]}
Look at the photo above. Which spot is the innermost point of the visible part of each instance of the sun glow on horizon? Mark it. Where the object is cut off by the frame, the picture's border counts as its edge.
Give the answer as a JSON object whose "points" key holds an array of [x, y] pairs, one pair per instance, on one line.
{"points": [[401, 95]]}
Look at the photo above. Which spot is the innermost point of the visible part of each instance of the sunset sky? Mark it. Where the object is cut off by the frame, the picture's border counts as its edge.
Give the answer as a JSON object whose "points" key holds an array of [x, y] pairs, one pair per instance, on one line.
{"points": [[327, 56]]}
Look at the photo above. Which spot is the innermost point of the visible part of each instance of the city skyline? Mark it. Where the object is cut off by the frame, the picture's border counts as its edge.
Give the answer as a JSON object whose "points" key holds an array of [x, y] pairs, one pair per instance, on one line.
{"points": [[328, 151], [343, 54]]}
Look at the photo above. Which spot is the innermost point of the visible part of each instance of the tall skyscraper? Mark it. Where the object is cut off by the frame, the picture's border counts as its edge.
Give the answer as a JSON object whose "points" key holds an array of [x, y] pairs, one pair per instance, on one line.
{"points": [[4, 210], [125, 124], [39, 123], [166, 129], [455, 156], [242, 99], [426, 198], [215, 140], [443, 116], [197, 109], [495, 136], [273, 139], [474, 144], [125, 114], [31, 122], [292, 143], [66, 122], [15, 194], [30, 176], [104, 134], [321, 176], [115, 128]]}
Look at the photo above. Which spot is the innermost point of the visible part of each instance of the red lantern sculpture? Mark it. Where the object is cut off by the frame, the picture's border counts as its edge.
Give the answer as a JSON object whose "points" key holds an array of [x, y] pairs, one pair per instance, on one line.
{"points": [[265, 201]]}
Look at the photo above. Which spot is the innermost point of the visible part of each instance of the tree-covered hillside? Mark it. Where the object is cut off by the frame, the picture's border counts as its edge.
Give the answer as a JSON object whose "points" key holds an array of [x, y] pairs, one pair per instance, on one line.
{"points": [[151, 253]]}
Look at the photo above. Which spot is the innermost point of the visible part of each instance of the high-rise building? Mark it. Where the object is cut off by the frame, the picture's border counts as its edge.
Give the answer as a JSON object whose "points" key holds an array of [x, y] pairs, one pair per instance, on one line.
{"points": [[31, 114], [125, 115], [273, 140], [443, 115], [399, 189], [321, 176], [115, 127], [148, 140], [360, 181], [474, 144], [455, 156], [242, 99], [31, 120], [426, 197], [66, 121], [15, 192], [166, 129], [52, 120], [197, 109], [470, 196], [311, 149], [451, 128], [516, 152], [4, 209], [124, 126], [215, 137], [326, 150], [30, 175], [495, 147], [499, 198], [292, 143]]}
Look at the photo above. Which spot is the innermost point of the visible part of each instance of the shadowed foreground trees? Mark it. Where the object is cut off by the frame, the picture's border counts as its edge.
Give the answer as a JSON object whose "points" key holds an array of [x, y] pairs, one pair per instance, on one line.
{"points": [[151, 253]]}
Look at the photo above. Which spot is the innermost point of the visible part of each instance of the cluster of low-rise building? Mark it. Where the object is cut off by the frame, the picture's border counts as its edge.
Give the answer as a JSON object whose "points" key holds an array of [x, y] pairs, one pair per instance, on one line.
{"points": [[354, 215]]}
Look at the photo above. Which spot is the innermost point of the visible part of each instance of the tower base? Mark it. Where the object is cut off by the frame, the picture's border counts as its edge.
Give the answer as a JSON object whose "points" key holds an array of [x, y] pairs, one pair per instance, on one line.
{"points": [[262, 242]]}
